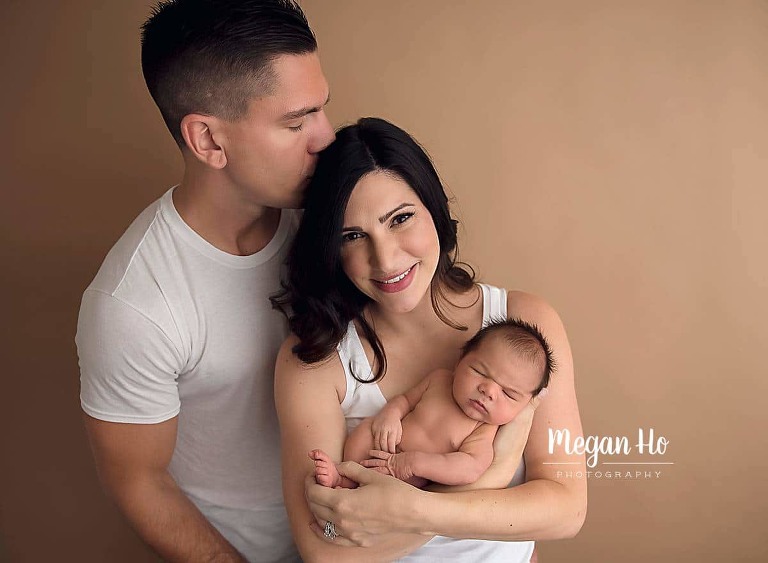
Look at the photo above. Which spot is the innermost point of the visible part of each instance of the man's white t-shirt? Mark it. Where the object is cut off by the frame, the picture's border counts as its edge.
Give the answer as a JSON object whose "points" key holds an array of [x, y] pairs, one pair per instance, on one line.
{"points": [[173, 326]]}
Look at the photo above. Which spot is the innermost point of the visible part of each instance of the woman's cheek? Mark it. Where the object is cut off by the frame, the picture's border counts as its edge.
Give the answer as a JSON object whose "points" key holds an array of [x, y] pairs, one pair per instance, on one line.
{"points": [[428, 243], [351, 266]]}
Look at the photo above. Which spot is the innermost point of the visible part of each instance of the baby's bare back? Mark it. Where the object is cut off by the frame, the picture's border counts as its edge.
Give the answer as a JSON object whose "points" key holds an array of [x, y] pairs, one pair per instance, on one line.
{"points": [[436, 424]]}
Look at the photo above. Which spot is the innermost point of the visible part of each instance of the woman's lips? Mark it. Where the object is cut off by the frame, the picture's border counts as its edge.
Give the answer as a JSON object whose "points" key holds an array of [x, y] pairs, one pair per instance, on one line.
{"points": [[398, 282]]}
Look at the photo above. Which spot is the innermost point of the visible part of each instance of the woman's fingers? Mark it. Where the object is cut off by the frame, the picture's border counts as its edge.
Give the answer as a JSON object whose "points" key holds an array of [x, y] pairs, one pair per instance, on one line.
{"points": [[511, 438], [338, 540], [364, 516], [534, 403]]}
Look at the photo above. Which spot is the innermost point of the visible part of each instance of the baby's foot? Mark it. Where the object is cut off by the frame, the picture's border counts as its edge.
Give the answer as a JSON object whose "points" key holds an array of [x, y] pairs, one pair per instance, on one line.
{"points": [[325, 470]]}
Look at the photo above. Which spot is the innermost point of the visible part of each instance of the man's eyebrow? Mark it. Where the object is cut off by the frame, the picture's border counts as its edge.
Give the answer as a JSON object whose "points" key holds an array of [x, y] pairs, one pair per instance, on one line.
{"points": [[389, 214], [304, 111]]}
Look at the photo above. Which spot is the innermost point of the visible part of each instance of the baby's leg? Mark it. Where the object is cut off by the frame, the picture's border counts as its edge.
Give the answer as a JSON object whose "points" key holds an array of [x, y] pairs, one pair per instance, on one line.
{"points": [[356, 448]]}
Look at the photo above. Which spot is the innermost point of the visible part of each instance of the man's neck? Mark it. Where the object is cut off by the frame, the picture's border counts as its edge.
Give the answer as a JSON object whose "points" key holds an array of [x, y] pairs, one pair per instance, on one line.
{"points": [[221, 218]]}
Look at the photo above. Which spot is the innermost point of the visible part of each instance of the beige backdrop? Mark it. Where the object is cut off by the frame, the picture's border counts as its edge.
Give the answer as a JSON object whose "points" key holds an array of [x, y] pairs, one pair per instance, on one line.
{"points": [[611, 156]]}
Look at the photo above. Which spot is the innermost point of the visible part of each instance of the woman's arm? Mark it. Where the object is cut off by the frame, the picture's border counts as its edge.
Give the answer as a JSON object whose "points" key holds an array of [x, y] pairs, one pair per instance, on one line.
{"points": [[308, 406], [549, 505]]}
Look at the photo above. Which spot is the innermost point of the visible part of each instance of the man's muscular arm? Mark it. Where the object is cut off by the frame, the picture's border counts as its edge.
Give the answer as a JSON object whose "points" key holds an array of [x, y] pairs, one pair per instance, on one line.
{"points": [[132, 463]]}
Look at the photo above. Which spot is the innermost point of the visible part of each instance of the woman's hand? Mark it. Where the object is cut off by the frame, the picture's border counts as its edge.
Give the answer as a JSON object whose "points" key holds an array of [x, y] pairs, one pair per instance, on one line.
{"points": [[510, 440], [366, 516]]}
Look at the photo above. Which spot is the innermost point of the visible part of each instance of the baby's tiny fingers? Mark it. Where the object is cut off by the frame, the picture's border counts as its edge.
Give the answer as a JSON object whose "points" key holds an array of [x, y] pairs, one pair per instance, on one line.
{"points": [[373, 463]]}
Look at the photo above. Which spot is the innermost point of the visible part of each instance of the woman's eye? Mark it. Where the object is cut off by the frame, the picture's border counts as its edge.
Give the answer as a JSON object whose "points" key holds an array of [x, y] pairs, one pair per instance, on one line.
{"points": [[297, 127], [402, 218], [350, 236]]}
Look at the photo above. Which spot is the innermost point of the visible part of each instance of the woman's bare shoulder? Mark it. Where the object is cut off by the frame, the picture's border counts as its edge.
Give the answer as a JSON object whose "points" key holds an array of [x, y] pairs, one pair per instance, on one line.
{"points": [[530, 307], [290, 370]]}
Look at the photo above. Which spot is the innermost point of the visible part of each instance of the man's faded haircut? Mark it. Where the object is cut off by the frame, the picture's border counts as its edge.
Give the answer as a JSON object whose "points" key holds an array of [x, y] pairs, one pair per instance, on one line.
{"points": [[213, 56], [523, 338]]}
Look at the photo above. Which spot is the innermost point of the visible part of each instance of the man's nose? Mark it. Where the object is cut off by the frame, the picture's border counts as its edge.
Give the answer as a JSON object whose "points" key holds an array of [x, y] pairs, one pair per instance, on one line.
{"points": [[324, 134]]}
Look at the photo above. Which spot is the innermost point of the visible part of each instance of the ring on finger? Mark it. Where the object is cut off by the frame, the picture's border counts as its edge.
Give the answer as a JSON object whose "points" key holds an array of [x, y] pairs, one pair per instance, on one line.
{"points": [[330, 531]]}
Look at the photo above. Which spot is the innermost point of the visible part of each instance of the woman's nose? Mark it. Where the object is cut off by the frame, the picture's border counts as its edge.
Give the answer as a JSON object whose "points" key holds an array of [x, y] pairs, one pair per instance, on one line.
{"points": [[383, 254]]}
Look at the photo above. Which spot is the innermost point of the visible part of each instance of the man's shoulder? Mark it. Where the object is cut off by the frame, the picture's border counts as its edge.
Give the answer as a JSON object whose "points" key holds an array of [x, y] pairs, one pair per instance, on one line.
{"points": [[119, 258]]}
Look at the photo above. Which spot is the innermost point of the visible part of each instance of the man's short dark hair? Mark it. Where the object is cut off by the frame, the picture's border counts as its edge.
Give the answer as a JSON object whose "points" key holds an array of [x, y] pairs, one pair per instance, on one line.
{"points": [[525, 339], [213, 56]]}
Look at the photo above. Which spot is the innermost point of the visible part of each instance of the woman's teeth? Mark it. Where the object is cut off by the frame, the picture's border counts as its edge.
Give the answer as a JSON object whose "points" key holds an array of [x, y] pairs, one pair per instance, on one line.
{"points": [[398, 278]]}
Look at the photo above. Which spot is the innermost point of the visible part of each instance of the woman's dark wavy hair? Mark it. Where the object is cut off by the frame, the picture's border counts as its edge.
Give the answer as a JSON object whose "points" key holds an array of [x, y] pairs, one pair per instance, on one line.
{"points": [[317, 297]]}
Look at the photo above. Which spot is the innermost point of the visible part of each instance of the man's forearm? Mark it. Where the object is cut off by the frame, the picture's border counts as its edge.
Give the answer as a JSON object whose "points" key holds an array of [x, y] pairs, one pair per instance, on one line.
{"points": [[170, 523]]}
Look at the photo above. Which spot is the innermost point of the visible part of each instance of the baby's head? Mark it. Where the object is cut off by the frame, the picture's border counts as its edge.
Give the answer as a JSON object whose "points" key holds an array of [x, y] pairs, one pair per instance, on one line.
{"points": [[501, 368]]}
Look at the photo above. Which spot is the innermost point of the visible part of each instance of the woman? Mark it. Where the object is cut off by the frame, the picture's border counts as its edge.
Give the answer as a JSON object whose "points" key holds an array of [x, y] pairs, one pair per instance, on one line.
{"points": [[374, 290]]}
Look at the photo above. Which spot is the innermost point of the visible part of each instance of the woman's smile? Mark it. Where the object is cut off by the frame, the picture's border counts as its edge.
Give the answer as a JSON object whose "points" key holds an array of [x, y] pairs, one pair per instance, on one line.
{"points": [[398, 282], [389, 242]]}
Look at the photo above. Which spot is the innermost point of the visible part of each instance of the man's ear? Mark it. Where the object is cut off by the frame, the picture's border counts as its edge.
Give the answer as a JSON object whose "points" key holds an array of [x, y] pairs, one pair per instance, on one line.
{"points": [[200, 132]]}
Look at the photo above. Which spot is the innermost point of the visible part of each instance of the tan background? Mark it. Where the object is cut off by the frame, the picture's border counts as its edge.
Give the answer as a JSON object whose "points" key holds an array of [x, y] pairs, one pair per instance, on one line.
{"points": [[611, 156]]}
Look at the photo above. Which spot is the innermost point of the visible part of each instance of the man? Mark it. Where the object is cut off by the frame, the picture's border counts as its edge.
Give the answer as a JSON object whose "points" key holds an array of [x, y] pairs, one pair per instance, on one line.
{"points": [[176, 337]]}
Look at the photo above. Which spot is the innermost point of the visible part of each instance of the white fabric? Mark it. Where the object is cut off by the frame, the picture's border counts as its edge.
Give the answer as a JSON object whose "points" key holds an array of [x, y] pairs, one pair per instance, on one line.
{"points": [[173, 326], [361, 399], [366, 399]]}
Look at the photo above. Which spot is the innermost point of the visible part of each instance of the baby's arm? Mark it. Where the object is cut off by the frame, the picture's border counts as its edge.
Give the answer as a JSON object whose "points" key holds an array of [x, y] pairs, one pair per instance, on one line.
{"points": [[456, 468], [381, 431], [387, 425]]}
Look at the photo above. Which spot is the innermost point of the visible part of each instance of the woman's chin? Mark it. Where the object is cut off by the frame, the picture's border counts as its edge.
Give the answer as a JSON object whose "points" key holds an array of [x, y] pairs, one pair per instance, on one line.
{"points": [[402, 303]]}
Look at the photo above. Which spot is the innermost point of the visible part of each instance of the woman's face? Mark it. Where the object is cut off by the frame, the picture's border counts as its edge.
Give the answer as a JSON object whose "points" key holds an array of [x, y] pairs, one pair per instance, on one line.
{"points": [[390, 247]]}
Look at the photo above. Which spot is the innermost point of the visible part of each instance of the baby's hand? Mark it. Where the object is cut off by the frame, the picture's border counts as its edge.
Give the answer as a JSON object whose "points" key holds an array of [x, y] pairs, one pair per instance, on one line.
{"points": [[398, 465], [387, 430]]}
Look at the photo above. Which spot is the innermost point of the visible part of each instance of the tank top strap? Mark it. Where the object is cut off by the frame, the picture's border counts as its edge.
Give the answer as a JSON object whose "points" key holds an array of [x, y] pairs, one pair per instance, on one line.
{"points": [[352, 356], [494, 303], [360, 399]]}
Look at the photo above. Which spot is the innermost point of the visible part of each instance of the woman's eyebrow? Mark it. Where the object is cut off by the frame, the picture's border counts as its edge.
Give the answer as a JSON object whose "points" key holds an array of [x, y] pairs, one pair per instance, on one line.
{"points": [[395, 210]]}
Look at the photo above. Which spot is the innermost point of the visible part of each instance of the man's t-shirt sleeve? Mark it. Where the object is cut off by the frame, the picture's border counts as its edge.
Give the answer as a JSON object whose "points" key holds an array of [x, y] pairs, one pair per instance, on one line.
{"points": [[128, 365]]}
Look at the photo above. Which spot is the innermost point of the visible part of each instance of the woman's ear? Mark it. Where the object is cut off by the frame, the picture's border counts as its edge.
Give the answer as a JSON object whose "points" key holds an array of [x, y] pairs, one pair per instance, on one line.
{"points": [[200, 132]]}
